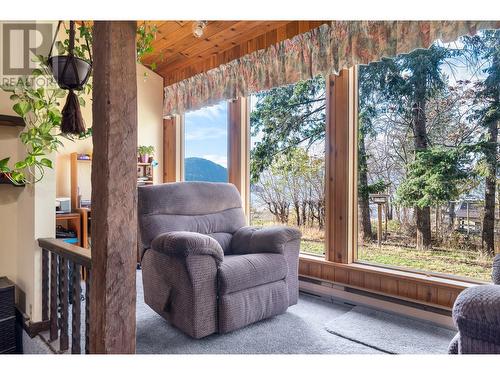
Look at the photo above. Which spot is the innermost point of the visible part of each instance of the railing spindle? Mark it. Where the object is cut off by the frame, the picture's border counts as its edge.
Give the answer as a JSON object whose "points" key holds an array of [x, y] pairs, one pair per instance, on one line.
{"points": [[63, 284], [53, 297], [45, 285], [56, 281], [76, 309], [87, 310]]}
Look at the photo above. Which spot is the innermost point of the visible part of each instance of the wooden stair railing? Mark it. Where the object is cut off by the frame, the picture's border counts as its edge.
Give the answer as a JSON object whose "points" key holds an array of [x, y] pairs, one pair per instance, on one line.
{"points": [[56, 281]]}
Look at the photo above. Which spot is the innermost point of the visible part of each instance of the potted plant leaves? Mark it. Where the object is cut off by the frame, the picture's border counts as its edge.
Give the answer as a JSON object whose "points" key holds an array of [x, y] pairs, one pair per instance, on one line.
{"points": [[145, 153]]}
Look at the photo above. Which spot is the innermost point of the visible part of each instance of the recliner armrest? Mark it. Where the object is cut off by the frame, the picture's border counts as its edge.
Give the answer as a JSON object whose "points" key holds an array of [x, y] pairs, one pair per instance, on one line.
{"points": [[248, 240], [495, 273], [183, 244], [475, 313]]}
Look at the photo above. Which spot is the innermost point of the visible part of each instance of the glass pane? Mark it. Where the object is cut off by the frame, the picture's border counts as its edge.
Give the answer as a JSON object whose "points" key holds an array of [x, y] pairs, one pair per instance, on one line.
{"points": [[427, 151], [287, 160], [205, 144]]}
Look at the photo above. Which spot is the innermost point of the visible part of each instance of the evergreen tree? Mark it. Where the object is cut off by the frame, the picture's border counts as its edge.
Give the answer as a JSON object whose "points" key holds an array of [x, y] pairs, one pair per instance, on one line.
{"points": [[486, 46], [405, 84]]}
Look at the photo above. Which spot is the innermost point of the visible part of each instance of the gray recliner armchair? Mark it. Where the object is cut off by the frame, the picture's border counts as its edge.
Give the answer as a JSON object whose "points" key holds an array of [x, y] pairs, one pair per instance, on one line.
{"points": [[476, 314], [203, 270]]}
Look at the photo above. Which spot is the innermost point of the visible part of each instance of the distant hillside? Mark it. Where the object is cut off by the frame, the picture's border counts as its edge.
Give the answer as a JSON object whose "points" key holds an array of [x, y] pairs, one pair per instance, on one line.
{"points": [[199, 169]]}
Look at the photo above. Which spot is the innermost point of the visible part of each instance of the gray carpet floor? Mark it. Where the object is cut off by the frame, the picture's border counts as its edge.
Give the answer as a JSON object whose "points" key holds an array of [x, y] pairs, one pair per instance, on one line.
{"points": [[313, 326], [391, 333], [301, 330]]}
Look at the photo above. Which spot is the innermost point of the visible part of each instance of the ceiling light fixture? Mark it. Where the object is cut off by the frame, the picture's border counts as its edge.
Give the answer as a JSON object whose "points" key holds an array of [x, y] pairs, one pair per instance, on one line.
{"points": [[199, 28]]}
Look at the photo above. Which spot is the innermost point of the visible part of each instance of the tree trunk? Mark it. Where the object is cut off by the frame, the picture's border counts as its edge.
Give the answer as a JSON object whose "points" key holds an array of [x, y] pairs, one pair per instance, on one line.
{"points": [[488, 233], [363, 196], [304, 212], [420, 139], [296, 207], [390, 211], [423, 228], [451, 215]]}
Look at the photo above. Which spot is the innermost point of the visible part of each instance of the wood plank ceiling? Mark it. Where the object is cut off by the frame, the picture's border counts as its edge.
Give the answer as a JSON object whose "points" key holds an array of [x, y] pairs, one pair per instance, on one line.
{"points": [[178, 54]]}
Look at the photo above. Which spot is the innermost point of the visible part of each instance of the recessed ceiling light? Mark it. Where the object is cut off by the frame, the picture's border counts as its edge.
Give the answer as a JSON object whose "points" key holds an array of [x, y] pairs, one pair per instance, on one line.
{"points": [[199, 28]]}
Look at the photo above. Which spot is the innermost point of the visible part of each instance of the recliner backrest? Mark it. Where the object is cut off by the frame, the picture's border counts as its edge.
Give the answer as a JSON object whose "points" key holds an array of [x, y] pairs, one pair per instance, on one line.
{"points": [[204, 207]]}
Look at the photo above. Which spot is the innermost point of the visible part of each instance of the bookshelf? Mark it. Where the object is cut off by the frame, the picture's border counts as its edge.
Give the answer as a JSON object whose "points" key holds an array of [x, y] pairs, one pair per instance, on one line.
{"points": [[144, 174]]}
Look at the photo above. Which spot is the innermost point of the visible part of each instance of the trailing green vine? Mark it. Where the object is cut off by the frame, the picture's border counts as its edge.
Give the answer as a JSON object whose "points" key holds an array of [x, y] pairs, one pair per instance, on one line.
{"points": [[39, 107], [146, 34]]}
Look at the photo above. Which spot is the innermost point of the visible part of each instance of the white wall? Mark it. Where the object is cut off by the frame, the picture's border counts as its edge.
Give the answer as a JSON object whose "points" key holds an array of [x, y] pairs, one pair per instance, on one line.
{"points": [[26, 213], [150, 131], [149, 114]]}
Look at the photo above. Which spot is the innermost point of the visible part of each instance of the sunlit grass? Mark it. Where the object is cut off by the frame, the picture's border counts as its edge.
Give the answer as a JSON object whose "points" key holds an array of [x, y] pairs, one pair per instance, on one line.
{"points": [[448, 261]]}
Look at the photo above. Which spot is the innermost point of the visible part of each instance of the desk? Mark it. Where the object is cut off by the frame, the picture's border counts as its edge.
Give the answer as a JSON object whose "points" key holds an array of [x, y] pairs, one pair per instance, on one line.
{"points": [[73, 222], [85, 217]]}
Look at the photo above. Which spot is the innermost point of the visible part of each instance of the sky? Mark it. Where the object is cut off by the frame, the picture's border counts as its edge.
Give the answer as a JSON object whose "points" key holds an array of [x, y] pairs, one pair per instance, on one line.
{"points": [[206, 134], [206, 128]]}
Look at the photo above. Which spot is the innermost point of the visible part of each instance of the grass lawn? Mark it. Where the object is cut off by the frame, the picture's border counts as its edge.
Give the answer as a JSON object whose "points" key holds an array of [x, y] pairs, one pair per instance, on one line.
{"points": [[455, 262], [312, 247], [446, 260]]}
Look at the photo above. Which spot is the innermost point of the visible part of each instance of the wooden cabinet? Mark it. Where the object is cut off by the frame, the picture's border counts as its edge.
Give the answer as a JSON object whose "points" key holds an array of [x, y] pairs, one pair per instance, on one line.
{"points": [[144, 174], [71, 221]]}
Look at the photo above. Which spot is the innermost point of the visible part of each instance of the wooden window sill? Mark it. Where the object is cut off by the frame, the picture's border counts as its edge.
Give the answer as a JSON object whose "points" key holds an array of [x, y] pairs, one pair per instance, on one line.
{"points": [[410, 275]]}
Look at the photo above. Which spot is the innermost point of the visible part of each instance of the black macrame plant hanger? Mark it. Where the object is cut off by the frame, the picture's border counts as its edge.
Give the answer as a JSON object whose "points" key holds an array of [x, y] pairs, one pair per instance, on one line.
{"points": [[71, 73]]}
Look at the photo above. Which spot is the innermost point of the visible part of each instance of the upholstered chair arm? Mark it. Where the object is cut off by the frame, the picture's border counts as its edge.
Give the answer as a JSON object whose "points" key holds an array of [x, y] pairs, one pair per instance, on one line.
{"points": [[475, 313], [249, 240], [183, 244]]}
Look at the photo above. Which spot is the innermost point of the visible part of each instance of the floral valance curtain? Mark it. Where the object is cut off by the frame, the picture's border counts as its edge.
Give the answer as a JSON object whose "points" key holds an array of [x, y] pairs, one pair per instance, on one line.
{"points": [[324, 50]]}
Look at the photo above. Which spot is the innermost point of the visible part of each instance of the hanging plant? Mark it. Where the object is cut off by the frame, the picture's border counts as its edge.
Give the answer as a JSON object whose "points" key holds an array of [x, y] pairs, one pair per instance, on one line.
{"points": [[39, 108], [146, 34], [71, 73]]}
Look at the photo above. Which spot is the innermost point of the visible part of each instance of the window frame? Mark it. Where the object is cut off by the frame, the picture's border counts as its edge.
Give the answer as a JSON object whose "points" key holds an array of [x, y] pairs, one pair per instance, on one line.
{"points": [[339, 265]]}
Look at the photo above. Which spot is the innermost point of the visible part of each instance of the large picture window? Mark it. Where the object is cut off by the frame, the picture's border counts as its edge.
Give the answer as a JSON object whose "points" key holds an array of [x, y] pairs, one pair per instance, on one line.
{"points": [[427, 158], [205, 144], [287, 160]]}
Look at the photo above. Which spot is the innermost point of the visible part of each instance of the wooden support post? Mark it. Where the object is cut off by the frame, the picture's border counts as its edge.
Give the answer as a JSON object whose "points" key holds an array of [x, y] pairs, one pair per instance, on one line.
{"points": [[238, 149], [114, 190], [379, 224], [173, 149], [338, 117]]}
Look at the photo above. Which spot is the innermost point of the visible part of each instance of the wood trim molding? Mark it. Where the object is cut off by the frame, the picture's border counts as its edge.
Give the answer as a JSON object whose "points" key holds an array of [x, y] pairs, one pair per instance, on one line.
{"points": [[425, 289], [173, 149], [337, 162], [30, 327], [391, 305], [238, 149]]}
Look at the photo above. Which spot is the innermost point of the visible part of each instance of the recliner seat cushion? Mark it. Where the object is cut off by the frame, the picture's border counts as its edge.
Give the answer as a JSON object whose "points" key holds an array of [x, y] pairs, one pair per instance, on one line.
{"points": [[239, 272]]}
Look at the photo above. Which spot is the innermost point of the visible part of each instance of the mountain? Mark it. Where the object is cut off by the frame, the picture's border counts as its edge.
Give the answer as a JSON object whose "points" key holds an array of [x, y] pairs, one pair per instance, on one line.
{"points": [[199, 169]]}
